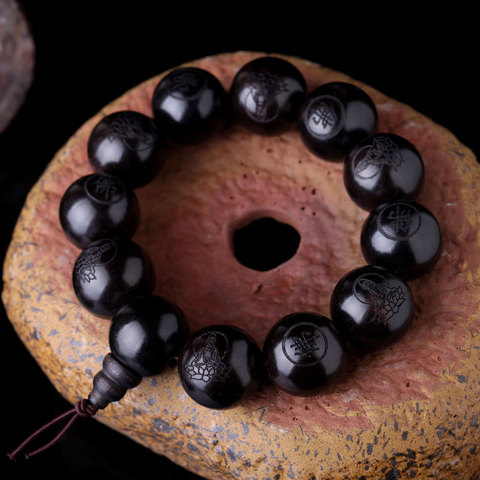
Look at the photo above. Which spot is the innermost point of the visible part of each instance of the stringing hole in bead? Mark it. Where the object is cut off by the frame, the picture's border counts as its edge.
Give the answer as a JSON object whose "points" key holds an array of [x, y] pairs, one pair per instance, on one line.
{"points": [[263, 243]]}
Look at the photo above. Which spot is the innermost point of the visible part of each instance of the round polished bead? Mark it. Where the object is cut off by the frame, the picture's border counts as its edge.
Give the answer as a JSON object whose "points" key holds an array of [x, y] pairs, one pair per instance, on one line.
{"points": [[127, 144], [372, 307], [109, 272], [190, 104], [334, 117], [304, 354], [267, 94], [382, 168], [98, 206], [219, 366], [402, 236], [146, 333]]}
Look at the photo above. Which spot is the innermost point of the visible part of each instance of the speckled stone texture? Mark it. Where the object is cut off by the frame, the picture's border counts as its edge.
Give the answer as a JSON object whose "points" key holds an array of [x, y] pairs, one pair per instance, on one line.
{"points": [[408, 411]]}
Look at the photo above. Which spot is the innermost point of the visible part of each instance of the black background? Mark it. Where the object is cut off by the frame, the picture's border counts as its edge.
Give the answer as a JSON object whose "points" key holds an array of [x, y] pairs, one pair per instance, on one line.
{"points": [[90, 52]]}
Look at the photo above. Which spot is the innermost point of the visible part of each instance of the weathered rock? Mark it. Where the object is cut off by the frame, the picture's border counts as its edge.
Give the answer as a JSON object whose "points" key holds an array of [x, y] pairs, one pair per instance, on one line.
{"points": [[409, 411], [17, 58]]}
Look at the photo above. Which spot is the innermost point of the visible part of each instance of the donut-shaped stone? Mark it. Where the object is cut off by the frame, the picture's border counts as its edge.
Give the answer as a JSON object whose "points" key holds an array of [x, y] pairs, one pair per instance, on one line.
{"points": [[408, 411]]}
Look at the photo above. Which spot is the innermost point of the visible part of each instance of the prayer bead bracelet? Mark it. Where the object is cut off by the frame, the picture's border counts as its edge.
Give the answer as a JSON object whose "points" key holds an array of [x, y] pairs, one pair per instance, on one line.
{"points": [[305, 352]]}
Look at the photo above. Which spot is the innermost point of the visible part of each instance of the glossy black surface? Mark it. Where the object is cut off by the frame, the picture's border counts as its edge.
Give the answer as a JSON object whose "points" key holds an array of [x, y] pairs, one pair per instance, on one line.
{"points": [[372, 307], [402, 236], [189, 104], [382, 168], [128, 145], [266, 95], [219, 366], [109, 272], [146, 333], [334, 117], [304, 354], [98, 206]]}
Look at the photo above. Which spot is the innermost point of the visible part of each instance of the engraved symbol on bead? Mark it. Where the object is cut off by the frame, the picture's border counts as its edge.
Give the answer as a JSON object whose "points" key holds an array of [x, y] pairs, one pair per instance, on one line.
{"points": [[324, 116], [375, 291], [207, 364], [399, 221], [370, 159], [185, 84], [126, 128], [104, 189], [260, 99], [304, 344], [92, 257]]}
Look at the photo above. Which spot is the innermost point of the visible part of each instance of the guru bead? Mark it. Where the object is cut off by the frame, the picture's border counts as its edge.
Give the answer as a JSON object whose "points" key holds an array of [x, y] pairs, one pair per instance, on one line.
{"points": [[303, 354], [334, 117], [371, 307], [219, 366], [402, 236], [109, 272], [98, 206], [266, 95], [382, 168], [128, 145], [146, 333], [190, 104], [111, 383]]}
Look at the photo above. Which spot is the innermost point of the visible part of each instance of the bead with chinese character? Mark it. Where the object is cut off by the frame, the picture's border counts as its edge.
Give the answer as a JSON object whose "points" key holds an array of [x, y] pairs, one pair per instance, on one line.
{"points": [[334, 117], [304, 354], [97, 206], [402, 236]]}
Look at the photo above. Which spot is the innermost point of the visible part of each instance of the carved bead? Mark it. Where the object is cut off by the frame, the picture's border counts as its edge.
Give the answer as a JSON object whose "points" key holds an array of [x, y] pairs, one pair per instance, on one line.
{"points": [[372, 307], [127, 144], [267, 94], [111, 383], [219, 366], [304, 354]]}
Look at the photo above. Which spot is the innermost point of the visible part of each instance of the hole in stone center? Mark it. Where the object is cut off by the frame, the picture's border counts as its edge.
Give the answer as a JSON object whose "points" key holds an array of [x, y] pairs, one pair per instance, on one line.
{"points": [[265, 243]]}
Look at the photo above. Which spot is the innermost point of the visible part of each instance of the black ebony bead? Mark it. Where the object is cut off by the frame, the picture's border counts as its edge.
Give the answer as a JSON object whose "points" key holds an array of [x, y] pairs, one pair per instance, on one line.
{"points": [[109, 272], [402, 236], [334, 117], [372, 307], [111, 383], [303, 354], [382, 168], [190, 104], [98, 206], [146, 333], [219, 366], [127, 144], [267, 94]]}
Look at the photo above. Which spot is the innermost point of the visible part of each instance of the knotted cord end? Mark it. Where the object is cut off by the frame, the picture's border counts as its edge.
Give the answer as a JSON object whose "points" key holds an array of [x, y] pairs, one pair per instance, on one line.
{"points": [[83, 408]]}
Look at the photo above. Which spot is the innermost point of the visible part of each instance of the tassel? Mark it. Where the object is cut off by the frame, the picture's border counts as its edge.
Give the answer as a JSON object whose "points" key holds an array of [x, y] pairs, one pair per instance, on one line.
{"points": [[83, 408]]}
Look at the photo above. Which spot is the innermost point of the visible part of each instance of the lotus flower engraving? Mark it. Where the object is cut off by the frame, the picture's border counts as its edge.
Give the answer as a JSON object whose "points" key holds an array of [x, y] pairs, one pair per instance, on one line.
{"points": [[207, 364]]}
